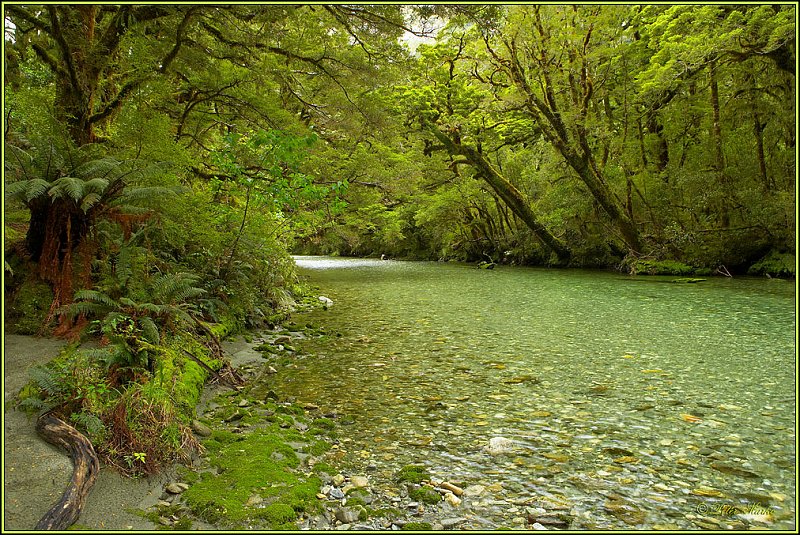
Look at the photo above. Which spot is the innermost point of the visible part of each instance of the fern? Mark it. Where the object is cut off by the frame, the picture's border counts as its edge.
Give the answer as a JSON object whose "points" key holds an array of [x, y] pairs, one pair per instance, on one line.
{"points": [[67, 187], [150, 330], [91, 423], [48, 380]]}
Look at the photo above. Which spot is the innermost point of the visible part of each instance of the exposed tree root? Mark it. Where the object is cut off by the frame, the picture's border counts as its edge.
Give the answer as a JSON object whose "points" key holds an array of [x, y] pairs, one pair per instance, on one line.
{"points": [[85, 469]]}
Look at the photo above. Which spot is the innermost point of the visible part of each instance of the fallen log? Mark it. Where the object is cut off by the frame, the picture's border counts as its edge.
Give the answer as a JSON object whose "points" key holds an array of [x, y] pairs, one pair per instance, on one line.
{"points": [[85, 469]]}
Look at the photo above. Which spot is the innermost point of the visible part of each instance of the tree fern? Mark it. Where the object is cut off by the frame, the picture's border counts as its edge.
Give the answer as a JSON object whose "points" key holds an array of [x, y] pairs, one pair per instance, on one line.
{"points": [[67, 186]]}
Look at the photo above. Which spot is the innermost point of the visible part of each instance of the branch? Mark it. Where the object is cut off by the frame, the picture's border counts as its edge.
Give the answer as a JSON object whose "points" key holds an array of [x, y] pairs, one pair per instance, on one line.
{"points": [[66, 52]]}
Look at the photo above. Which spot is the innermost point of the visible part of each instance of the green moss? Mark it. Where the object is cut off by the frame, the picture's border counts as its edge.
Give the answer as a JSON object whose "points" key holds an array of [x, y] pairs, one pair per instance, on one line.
{"points": [[660, 267], [318, 447], [413, 473], [277, 514], [324, 423], [28, 307], [424, 495], [774, 264], [324, 468], [258, 463], [417, 526]]}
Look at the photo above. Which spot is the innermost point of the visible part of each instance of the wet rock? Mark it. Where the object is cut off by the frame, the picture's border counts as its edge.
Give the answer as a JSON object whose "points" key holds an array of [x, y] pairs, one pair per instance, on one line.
{"points": [[326, 302], [625, 511], [450, 523], [499, 446], [282, 340], [200, 428], [734, 470], [549, 521], [538, 527], [474, 490]]}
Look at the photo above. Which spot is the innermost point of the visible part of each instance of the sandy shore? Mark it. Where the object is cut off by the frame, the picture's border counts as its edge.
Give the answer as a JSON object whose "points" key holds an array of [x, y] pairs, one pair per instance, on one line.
{"points": [[36, 473]]}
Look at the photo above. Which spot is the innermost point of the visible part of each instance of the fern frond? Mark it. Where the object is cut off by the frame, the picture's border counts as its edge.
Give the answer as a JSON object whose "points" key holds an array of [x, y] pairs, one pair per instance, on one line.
{"points": [[151, 308], [94, 296], [90, 422], [90, 200], [86, 308], [152, 193], [47, 379], [150, 330], [67, 186], [100, 167]]}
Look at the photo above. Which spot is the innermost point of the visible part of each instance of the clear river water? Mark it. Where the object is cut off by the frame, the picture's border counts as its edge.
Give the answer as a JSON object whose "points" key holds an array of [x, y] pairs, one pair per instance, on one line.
{"points": [[626, 402]]}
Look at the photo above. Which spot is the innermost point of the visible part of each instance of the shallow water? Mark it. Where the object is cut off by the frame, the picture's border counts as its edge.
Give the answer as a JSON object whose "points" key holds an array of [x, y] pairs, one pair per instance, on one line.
{"points": [[630, 401]]}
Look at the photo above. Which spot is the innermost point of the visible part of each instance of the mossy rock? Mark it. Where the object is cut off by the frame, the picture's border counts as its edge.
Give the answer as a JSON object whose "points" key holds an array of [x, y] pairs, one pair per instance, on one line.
{"points": [[424, 495], [417, 526], [687, 280], [413, 473]]}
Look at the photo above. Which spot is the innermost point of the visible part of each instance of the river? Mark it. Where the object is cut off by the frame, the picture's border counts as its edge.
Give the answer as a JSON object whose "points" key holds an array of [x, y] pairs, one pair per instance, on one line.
{"points": [[622, 401]]}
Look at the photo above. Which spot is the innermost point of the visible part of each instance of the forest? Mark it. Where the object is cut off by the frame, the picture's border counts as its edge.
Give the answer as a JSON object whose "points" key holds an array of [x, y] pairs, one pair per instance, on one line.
{"points": [[163, 162]]}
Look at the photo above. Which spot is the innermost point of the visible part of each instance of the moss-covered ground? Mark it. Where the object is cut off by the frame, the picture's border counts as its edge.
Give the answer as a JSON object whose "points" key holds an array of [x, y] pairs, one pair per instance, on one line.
{"points": [[255, 473]]}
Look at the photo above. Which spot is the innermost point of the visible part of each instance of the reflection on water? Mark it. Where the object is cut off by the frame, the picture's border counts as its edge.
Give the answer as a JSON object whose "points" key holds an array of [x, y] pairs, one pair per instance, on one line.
{"points": [[631, 400]]}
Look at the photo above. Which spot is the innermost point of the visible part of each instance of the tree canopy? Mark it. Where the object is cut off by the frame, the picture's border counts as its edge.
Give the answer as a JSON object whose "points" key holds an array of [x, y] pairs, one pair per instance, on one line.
{"points": [[225, 136]]}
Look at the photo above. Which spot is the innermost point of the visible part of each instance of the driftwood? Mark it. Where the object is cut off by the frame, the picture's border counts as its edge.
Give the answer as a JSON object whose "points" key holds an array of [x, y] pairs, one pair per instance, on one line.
{"points": [[85, 469]]}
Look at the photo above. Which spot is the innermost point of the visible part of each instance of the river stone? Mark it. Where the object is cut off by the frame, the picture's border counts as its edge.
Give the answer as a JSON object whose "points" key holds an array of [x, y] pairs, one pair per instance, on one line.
{"points": [[458, 491], [450, 523], [359, 482], [244, 403], [499, 445], [336, 493], [452, 499], [338, 479], [200, 428], [474, 490], [346, 516], [625, 512]]}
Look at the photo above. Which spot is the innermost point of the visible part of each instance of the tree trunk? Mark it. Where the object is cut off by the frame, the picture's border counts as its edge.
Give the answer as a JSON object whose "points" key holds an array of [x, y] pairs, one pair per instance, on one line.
{"points": [[86, 467], [507, 192], [716, 140]]}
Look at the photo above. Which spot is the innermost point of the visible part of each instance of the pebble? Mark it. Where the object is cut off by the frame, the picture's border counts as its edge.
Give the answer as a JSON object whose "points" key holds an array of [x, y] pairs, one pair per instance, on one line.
{"points": [[338, 479], [244, 403], [538, 527], [336, 493]]}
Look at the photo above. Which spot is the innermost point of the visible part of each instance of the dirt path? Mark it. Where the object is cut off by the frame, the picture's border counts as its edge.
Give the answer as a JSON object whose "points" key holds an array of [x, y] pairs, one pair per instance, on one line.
{"points": [[36, 473]]}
